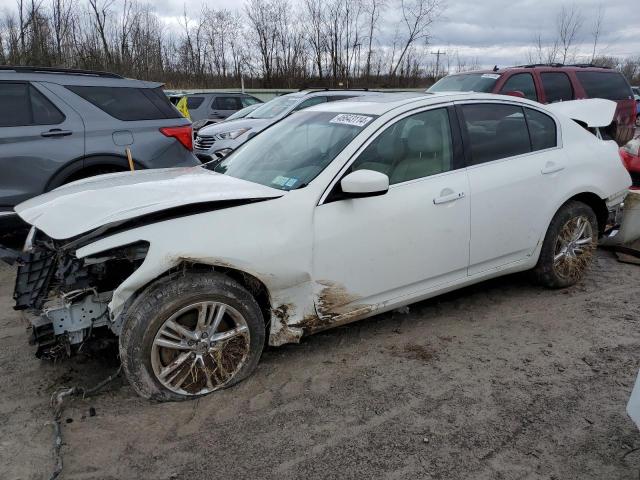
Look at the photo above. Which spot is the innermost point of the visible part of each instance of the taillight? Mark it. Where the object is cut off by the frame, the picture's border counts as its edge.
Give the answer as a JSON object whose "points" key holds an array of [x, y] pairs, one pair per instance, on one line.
{"points": [[183, 134]]}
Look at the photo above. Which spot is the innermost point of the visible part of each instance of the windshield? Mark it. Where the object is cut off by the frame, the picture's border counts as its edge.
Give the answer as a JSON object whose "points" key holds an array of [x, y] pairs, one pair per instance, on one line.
{"points": [[274, 107], [244, 112], [295, 150], [466, 82]]}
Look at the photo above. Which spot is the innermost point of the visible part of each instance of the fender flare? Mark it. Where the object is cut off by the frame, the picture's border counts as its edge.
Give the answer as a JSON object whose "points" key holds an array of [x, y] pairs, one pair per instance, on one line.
{"points": [[82, 163]]}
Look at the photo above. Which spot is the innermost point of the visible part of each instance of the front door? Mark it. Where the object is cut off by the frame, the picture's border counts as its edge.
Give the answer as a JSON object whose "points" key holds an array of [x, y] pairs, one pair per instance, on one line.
{"points": [[413, 238]]}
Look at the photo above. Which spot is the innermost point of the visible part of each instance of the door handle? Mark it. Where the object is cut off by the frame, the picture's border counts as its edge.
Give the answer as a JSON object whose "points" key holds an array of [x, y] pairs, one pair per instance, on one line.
{"points": [[56, 132], [551, 167], [451, 197]]}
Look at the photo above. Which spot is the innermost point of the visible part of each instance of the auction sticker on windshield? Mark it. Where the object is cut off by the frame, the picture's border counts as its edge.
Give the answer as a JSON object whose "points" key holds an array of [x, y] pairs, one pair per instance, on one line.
{"points": [[351, 119], [491, 75]]}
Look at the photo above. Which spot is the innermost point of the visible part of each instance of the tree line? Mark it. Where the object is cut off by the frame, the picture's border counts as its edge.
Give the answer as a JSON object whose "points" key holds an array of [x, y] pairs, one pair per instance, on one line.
{"points": [[265, 43]]}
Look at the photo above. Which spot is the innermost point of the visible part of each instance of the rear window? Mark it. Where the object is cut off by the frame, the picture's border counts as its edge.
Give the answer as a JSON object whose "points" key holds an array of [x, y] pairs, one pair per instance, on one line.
{"points": [[466, 82], [194, 102], [609, 85], [125, 103]]}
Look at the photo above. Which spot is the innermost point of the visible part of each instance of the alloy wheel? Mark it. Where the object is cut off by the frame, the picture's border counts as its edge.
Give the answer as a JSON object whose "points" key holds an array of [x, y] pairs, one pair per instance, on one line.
{"points": [[574, 247], [200, 348]]}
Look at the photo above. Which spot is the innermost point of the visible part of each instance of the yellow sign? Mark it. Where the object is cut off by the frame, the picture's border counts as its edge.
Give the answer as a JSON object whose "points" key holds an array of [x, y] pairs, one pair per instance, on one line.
{"points": [[182, 107]]}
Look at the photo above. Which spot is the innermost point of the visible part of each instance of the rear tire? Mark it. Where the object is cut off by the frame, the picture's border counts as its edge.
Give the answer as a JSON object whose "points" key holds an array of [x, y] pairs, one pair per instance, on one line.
{"points": [[568, 247], [168, 354]]}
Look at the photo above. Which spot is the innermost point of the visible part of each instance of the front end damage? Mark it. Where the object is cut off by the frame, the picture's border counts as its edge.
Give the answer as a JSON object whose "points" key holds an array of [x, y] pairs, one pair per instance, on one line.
{"points": [[66, 298]]}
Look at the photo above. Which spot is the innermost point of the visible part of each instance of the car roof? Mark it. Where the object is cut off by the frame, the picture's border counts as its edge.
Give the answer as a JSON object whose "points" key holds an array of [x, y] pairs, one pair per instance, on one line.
{"points": [[329, 93], [385, 102], [541, 66], [72, 77], [201, 94]]}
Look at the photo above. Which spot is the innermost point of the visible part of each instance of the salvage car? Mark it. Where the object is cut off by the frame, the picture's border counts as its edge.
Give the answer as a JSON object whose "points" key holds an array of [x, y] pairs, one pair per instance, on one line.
{"points": [[342, 211]]}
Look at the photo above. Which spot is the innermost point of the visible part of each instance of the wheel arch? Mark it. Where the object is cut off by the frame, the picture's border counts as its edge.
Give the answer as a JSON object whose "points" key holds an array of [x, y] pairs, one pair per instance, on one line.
{"points": [[86, 164], [597, 204], [251, 283]]}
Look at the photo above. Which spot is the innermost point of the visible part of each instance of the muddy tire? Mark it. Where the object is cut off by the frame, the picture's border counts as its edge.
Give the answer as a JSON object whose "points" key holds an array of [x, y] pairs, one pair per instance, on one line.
{"points": [[569, 246], [189, 334]]}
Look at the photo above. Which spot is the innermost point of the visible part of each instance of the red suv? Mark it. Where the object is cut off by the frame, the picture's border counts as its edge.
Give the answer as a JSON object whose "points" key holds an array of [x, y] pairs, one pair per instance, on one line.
{"points": [[553, 83]]}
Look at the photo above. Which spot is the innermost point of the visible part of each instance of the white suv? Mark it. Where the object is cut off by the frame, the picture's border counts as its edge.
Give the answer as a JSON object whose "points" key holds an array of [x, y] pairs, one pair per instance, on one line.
{"points": [[340, 212]]}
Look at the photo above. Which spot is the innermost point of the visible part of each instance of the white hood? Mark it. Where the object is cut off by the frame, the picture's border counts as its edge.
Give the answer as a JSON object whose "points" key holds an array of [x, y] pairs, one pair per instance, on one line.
{"points": [[84, 205], [594, 112]]}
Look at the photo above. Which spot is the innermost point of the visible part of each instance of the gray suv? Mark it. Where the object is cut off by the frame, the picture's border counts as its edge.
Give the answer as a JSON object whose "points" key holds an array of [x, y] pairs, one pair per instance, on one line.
{"points": [[206, 108], [218, 140], [57, 126]]}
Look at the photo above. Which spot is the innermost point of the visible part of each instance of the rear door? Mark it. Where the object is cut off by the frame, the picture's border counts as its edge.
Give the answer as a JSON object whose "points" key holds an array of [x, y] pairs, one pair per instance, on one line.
{"points": [[514, 166], [39, 134]]}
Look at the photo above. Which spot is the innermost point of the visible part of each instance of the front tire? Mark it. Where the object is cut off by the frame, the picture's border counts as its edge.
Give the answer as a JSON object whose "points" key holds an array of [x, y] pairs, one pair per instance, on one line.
{"points": [[190, 334], [568, 247]]}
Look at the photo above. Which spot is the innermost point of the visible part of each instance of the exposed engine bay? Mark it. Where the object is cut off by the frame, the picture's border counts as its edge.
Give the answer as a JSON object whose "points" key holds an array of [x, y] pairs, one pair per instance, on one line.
{"points": [[66, 297]]}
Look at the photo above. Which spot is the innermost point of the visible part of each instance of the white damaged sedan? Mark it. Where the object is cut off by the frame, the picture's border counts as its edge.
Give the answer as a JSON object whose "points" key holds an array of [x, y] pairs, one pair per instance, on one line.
{"points": [[332, 215]]}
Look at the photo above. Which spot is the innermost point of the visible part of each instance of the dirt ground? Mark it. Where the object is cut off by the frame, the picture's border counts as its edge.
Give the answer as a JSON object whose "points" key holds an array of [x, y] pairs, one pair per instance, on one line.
{"points": [[502, 380]]}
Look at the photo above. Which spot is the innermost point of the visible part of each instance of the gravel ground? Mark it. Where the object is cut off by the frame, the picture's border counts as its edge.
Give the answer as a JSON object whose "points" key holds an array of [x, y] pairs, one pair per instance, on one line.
{"points": [[502, 380]]}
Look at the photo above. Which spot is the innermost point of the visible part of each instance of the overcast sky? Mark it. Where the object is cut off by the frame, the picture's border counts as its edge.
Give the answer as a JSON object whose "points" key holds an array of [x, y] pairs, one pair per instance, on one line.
{"points": [[493, 31]]}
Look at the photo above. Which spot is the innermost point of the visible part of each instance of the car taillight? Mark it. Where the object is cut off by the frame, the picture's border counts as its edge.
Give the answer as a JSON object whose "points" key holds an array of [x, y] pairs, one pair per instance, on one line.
{"points": [[183, 134]]}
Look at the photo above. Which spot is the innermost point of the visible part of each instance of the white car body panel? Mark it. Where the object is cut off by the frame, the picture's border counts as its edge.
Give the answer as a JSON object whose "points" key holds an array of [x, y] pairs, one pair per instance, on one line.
{"points": [[87, 204], [593, 112], [325, 263]]}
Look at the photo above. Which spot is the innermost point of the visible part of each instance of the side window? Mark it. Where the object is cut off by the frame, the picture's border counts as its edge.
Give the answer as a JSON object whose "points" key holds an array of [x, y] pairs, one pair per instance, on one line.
{"points": [[194, 102], [542, 129], [310, 102], [225, 103], [609, 85], [495, 131], [335, 98], [22, 104], [414, 147], [14, 98], [44, 112], [246, 101], [557, 87], [125, 103], [521, 82]]}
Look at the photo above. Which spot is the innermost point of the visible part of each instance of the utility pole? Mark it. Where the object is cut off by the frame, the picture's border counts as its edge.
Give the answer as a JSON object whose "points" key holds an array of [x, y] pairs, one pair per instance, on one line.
{"points": [[437, 54]]}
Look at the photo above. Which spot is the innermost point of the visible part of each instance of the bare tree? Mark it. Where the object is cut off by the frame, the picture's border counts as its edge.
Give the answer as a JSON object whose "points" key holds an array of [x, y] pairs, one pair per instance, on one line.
{"points": [[101, 12], [596, 30], [373, 9], [568, 23], [417, 16]]}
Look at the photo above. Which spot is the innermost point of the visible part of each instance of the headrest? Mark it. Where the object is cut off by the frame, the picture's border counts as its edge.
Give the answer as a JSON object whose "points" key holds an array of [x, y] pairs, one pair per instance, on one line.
{"points": [[424, 139]]}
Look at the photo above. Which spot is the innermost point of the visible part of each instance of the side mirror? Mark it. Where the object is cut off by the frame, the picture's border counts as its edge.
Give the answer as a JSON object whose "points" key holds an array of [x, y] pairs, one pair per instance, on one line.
{"points": [[364, 183], [514, 93]]}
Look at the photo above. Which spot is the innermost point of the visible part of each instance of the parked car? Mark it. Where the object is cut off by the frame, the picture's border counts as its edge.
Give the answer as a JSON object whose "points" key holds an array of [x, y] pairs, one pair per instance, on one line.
{"points": [[59, 125], [342, 211], [553, 83], [216, 141], [630, 154], [636, 96], [206, 108]]}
